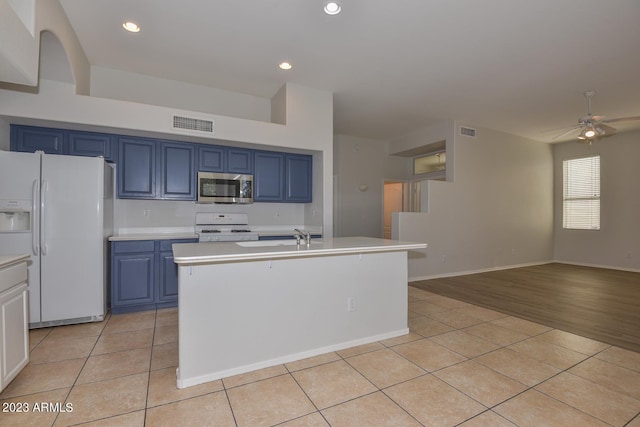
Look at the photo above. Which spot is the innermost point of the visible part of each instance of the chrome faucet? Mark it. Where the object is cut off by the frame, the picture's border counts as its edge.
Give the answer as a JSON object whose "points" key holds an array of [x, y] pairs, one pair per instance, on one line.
{"points": [[299, 234]]}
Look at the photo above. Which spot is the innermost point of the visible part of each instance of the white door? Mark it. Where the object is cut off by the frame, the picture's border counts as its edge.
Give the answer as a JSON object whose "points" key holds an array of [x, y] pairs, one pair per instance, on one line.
{"points": [[72, 237], [19, 181]]}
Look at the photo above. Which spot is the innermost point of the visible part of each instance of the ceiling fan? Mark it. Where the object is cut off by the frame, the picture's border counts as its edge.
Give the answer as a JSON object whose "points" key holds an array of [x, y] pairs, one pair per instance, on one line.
{"points": [[591, 126]]}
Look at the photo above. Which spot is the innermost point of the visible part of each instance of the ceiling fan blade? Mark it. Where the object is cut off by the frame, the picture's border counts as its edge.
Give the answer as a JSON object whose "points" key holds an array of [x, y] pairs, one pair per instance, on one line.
{"points": [[560, 128], [573, 129], [607, 130], [620, 119]]}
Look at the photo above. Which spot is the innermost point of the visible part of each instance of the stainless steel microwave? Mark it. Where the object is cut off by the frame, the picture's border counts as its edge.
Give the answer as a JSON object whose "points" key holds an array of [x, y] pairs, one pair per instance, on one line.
{"points": [[224, 188]]}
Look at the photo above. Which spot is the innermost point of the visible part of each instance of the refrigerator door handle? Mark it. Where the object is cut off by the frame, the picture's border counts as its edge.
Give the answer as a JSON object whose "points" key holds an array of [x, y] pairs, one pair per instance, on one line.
{"points": [[34, 223], [43, 217]]}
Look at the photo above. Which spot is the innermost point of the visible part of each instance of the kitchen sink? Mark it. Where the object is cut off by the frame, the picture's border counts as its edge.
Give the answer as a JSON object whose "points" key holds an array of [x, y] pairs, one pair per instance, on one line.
{"points": [[263, 243]]}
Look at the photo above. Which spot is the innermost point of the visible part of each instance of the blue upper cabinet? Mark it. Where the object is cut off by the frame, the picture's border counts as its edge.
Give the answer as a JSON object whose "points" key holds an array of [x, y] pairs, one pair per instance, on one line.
{"points": [[61, 141], [298, 178], [177, 171], [282, 177], [31, 139], [239, 161], [151, 169], [268, 177], [211, 158], [92, 144], [136, 168]]}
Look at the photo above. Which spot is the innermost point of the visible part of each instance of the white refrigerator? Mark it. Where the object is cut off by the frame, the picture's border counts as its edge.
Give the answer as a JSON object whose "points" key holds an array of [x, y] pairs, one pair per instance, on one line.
{"points": [[58, 209]]}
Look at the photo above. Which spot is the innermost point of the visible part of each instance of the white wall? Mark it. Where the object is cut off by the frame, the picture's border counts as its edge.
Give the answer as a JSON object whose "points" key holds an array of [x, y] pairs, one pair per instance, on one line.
{"points": [[20, 45], [497, 213], [617, 243], [5, 134], [363, 162], [126, 86]]}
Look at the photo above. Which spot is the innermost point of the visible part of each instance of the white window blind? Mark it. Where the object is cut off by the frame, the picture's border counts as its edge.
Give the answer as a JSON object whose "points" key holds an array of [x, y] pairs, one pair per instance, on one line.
{"points": [[581, 199]]}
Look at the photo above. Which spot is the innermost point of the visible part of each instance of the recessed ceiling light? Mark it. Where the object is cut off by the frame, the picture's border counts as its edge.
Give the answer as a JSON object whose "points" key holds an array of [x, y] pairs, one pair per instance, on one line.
{"points": [[131, 26], [332, 7], [285, 66]]}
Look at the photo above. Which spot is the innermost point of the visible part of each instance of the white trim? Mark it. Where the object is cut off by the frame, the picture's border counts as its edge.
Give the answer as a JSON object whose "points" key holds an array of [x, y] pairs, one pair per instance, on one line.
{"points": [[608, 267], [508, 267], [481, 270]]}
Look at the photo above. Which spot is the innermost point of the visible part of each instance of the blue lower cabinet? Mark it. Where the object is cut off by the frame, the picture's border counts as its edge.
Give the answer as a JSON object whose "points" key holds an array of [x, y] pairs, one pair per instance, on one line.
{"points": [[133, 279], [143, 275]]}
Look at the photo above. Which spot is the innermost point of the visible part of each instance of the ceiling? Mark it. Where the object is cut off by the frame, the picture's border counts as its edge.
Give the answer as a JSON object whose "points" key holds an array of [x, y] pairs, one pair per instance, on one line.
{"points": [[394, 66]]}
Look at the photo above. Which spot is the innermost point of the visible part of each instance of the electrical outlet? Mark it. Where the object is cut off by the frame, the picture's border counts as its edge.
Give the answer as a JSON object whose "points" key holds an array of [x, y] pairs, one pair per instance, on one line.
{"points": [[351, 304]]}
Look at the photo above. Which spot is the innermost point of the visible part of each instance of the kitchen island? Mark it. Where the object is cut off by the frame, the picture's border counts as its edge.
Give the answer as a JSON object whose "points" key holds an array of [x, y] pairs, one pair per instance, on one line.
{"points": [[244, 306]]}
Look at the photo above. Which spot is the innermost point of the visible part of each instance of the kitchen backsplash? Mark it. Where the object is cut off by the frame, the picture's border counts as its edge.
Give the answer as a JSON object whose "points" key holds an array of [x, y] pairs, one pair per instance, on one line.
{"points": [[130, 213]]}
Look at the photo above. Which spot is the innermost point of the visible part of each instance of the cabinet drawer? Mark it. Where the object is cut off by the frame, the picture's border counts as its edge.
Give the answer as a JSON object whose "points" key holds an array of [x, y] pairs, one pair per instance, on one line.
{"points": [[165, 245], [12, 276], [133, 246]]}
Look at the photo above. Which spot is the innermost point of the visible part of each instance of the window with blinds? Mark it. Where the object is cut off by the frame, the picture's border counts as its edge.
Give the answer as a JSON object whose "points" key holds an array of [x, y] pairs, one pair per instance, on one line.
{"points": [[581, 195]]}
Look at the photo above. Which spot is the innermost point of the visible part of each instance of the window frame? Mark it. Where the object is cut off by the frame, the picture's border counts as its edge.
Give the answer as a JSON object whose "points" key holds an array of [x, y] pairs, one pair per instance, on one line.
{"points": [[581, 193]]}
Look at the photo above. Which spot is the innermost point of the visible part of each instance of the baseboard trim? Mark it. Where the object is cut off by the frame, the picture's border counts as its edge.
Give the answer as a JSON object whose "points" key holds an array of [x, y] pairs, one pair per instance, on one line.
{"points": [[481, 270], [608, 267], [508, 267]]}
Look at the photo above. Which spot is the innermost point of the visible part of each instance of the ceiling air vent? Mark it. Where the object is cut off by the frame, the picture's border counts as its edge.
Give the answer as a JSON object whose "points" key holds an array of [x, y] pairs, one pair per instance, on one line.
{"points": [[193, 124], [470, 132]]}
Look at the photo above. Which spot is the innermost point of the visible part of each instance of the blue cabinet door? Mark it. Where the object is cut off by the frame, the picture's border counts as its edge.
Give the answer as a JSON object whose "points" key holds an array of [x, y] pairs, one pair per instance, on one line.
{"points": [[211, 158], [168, 278], [268, 177], [30, 139], [92, 144], [133, 278], [239, 161], [168, 274], [298, 178], [177, 171], [136, 168]]}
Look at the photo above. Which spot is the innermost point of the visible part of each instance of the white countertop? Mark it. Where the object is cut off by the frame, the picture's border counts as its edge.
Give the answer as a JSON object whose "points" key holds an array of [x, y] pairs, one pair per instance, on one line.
{"points": [[8, 260], [152, 236], [208, 253]]}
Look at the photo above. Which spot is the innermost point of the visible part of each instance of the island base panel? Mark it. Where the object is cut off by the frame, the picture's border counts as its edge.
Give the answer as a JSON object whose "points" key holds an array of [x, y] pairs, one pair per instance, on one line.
{"points": [[241, 316]]}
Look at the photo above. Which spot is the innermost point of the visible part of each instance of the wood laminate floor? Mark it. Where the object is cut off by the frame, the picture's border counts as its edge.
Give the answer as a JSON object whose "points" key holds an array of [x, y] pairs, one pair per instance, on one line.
{"points": [[596, 303]]}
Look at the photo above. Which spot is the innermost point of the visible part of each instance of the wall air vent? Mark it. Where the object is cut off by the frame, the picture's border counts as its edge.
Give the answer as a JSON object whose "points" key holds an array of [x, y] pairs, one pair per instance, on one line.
{"points": [[193, 124], [470, 132]]}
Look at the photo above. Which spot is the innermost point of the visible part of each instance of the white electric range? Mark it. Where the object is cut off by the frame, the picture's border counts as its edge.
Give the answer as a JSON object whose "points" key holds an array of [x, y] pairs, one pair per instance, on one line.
{"points": [[223, 227]]}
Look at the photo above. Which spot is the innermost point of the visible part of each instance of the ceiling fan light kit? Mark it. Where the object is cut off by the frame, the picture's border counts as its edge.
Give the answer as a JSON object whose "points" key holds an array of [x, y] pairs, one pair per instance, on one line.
{"points": [[592, 126]]}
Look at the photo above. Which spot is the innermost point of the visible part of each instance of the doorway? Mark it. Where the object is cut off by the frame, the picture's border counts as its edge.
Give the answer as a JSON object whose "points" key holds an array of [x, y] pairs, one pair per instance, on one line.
{"points": [[394, 199]]}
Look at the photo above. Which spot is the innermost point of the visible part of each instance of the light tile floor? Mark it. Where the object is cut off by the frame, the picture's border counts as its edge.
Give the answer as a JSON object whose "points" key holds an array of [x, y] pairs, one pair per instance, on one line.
{"points": [[460, 365]]}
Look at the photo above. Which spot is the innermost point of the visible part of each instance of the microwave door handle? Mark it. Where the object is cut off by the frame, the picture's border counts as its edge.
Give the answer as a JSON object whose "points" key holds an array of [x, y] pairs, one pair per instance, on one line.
{"points": [[34, 223]]}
